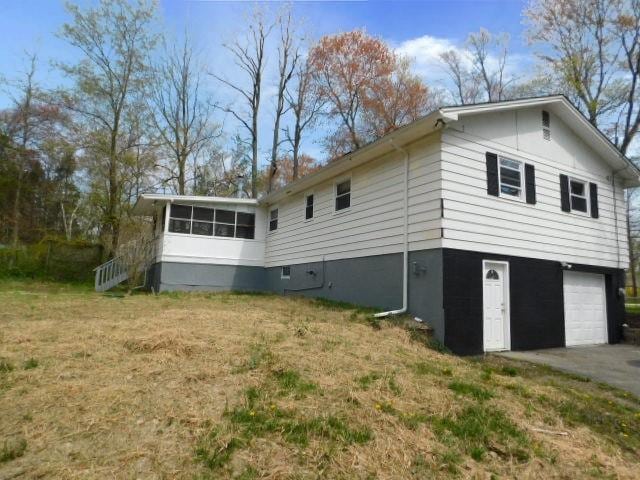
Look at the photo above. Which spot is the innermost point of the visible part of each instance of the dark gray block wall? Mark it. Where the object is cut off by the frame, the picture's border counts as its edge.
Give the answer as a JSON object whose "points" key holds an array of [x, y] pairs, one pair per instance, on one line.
{"points": [[374, 281], [199, 276]]}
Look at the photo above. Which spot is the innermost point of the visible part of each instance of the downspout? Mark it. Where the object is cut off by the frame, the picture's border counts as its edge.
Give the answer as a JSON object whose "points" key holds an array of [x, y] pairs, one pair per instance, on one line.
{"points": [[405, 257]]}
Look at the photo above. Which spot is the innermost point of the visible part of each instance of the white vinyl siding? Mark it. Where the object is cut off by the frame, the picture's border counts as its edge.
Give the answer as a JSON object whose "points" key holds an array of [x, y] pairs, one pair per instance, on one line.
{"points": [[219, 250], [475, 221], [373, 224]]}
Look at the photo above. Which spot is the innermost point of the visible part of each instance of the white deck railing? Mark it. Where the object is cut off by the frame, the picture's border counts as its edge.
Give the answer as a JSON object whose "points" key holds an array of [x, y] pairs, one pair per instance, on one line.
{"points": [[135, 258]]}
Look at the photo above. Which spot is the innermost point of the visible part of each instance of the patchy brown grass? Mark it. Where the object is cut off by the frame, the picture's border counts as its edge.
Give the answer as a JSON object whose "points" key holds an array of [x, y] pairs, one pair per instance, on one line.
{"points": [[244, 386]]}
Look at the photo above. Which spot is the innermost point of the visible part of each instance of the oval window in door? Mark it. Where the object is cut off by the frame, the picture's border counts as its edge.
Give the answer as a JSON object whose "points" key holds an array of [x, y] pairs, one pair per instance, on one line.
{"points": [[492, 275]]}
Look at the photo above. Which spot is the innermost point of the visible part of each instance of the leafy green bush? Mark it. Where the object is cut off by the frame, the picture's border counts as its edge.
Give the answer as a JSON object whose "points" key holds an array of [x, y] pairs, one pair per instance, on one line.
{"points": [[52, 259]]}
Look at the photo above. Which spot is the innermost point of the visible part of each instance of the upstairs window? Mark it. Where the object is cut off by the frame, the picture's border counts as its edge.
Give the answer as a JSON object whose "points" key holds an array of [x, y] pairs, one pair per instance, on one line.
{"points": [[211, 222], [578, 195], [343, 195], [308, 214], [273, 220], [510, 178]]}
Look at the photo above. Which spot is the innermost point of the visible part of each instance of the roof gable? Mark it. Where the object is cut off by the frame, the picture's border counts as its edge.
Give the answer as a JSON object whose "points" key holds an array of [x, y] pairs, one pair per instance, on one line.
{"points": [[559, 105]]}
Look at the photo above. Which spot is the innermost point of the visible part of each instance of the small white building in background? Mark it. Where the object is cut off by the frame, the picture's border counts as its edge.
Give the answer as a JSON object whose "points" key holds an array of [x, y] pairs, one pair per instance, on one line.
{"points": [[501, 225]]}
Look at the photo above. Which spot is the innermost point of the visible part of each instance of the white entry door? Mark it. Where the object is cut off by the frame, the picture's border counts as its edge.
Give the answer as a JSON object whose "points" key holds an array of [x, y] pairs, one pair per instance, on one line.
{"points": [[496, 328], [585, 309]]}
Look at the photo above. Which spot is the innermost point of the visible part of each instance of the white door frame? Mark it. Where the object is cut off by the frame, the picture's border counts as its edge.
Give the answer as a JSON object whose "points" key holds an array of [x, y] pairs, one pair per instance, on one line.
{"points": [[507, 303]]}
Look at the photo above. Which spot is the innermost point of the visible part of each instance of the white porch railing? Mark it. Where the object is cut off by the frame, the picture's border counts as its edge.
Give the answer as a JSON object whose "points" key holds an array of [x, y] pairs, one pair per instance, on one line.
{"points": [[110, 274], [134, 258]]}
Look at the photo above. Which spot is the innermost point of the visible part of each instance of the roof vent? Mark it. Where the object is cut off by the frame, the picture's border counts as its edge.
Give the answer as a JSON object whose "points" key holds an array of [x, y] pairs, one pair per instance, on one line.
{"points": [[546, 125]]}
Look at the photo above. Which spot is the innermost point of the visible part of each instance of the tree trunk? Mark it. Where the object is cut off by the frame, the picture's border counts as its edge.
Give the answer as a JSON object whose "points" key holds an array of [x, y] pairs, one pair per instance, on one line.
{"points": [[181, 180], [112, 220], [254, 155], [632, 259], [296, 150], [15, 234]]}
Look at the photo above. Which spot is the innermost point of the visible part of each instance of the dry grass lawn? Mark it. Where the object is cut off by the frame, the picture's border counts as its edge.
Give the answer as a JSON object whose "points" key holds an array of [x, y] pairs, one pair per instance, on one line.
{"points": [[256, 386]]}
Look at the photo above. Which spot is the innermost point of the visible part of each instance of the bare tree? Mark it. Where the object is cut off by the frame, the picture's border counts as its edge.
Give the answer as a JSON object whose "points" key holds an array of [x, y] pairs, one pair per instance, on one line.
{"points": [[466, 84], [577, 42], [25, 124], [181, 110], [305, 105], [249, 56], [480, 45], [594, 47], [115, 40], [288, 58], [627, 28]]}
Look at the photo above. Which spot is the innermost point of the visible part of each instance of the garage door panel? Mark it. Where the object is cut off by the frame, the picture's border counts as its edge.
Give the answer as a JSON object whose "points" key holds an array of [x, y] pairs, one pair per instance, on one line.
{"points": [[585, 309]]}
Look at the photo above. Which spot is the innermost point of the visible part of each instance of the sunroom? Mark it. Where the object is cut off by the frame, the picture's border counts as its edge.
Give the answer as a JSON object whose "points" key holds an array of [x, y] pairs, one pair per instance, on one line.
{"points": [[203, 241]]}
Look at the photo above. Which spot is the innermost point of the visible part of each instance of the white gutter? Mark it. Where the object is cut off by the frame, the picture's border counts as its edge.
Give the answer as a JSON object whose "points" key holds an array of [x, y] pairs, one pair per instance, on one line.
{"points": [[405, 266]]}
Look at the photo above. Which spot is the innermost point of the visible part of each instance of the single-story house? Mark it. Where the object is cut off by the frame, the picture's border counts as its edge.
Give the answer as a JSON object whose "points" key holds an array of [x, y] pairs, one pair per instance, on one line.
{"points": [[501, 225]]}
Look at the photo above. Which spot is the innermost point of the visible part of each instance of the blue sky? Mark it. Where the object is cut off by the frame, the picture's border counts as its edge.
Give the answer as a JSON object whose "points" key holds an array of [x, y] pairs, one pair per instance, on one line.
{"points": [[420, 29]]}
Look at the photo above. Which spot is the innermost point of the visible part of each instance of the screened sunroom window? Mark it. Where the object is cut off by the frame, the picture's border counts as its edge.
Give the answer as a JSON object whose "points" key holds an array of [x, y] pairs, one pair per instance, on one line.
{"points": [[245, 225], [211, 222], [225, 223], [180, 218]]}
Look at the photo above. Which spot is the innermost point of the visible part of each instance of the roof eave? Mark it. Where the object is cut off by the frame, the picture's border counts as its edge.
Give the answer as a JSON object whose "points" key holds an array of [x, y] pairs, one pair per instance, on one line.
{"points": [[403, 135]]}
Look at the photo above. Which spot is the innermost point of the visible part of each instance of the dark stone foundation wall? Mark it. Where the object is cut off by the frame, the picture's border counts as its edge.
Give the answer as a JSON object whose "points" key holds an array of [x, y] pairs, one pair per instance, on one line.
{"points": [[537, 301], [374, 281]]}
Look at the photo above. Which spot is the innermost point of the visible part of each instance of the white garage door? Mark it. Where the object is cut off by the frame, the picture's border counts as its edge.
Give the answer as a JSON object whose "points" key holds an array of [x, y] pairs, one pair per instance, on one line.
{"points": [[585, 310]]}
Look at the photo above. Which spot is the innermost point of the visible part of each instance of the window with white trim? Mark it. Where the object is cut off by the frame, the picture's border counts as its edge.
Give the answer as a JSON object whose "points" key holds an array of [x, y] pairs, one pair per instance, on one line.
{"points": [[510, 176], [578, 196], [308, 213], [285, 272], [273, 220], [343, 195]]}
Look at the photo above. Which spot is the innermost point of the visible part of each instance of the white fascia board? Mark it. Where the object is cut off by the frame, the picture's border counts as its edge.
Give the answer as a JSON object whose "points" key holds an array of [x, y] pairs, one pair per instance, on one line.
{"points": [[146, 202], [402, 136]]}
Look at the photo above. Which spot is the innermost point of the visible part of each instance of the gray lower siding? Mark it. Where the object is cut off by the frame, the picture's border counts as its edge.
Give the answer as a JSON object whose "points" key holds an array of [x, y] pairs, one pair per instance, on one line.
{"points": [[170, 276], [374, 281]]}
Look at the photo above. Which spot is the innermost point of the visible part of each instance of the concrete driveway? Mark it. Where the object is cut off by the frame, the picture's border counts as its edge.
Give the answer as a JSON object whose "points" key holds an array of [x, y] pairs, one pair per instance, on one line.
{"points": [[616, 365]]}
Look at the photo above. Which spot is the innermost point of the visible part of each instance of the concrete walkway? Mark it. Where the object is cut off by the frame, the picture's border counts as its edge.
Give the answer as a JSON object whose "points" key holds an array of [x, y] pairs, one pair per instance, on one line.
{"points": [[616, 365]]}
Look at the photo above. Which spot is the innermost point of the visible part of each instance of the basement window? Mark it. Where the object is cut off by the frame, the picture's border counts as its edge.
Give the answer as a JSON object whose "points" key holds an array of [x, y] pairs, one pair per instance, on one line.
{"points": [[285, 272], [343, 195]]}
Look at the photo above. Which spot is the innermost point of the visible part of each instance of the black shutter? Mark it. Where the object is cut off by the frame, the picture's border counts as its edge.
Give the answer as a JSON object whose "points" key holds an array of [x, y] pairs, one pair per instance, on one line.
{"points": [[593, 195], [564, 193], [530, 183], [492, 174]]}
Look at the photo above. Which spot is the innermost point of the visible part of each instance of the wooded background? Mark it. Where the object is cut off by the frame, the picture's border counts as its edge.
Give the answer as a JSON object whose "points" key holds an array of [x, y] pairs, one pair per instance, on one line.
{"points": [[138, 114]]}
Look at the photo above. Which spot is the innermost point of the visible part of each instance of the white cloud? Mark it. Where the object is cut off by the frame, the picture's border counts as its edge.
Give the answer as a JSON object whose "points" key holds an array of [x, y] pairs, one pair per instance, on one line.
{"points": [[425, 53]]}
